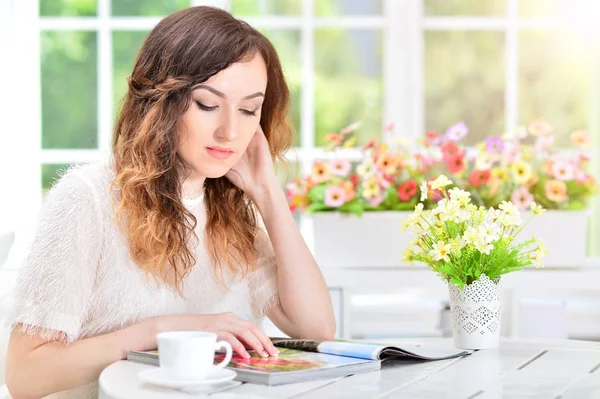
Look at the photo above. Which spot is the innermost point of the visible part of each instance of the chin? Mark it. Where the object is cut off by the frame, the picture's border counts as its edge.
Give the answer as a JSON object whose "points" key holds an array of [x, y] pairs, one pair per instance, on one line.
{"points": [[213, 171]]}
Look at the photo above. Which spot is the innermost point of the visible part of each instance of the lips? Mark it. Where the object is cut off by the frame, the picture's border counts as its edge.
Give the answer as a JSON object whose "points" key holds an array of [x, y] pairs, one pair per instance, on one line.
{"points": [[219, 152]]}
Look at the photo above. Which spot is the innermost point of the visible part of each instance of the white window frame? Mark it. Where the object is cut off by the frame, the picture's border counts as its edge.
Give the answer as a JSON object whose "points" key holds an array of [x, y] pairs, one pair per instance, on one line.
{"points": [[403, 23]]}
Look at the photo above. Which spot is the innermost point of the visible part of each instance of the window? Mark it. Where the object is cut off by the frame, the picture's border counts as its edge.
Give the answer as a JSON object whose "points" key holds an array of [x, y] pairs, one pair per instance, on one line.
{"points": [[420, 64]]}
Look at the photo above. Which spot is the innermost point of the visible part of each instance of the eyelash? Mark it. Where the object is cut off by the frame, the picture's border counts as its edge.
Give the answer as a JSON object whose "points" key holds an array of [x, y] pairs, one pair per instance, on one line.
{"points": [[205, 108]]}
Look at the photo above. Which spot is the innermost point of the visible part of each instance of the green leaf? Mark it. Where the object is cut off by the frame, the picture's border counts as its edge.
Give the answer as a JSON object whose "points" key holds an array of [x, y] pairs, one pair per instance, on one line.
{"points": [[317, 194], [354, 206], [315, 207]]}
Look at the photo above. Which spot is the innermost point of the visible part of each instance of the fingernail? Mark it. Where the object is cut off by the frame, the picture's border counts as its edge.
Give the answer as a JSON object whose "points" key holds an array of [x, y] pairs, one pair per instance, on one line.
{"points": [[265, 354], [276, 352], [247, 355]]}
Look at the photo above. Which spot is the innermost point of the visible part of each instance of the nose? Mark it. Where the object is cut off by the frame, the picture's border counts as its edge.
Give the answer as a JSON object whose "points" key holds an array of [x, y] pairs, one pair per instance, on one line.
{"points": [[228, 127]]}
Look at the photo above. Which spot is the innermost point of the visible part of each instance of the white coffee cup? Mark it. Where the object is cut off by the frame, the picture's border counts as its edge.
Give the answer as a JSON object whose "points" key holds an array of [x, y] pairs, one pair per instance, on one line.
{"points": [[189, 355]]}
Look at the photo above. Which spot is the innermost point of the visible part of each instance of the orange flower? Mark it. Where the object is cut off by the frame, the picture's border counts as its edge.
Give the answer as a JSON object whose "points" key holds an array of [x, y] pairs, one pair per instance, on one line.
{"points": [[556, 190], [348, 187], [539, 127], [320, 173], [547, 167], [334, 138], [532, 181], [581, 138], [387, 163]]}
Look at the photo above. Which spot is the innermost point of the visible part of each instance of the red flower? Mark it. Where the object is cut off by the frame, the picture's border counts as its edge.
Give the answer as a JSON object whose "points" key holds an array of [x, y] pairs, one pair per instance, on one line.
{"points": [[479, 177], [432, 135], [354, 180], [407, 190], [456, 164], [450, 151], [369, 144]]}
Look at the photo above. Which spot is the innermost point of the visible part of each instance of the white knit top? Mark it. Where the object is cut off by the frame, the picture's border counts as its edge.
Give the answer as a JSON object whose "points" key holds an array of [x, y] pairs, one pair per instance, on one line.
{"points": [[79, 281]]}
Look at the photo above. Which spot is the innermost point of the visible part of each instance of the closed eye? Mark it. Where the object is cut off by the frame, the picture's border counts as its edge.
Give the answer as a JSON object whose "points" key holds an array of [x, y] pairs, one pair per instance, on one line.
{"points": [[247, 112], [205, 107]]}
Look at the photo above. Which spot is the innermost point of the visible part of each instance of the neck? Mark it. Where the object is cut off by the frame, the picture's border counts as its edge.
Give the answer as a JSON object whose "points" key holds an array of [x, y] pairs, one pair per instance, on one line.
{"points": [[192, 186]]}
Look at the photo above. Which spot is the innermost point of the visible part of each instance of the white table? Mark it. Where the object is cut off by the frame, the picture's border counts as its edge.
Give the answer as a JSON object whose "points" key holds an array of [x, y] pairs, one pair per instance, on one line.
{"points": [[518, 369]]}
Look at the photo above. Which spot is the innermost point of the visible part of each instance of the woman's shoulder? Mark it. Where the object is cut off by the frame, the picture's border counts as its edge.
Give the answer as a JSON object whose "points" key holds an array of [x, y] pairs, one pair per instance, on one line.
{"points": [[92, 178]]}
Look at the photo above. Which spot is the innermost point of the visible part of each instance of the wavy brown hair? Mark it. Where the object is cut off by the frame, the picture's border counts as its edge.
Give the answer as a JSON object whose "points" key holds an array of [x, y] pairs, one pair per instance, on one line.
{"points": [[184, 49]]}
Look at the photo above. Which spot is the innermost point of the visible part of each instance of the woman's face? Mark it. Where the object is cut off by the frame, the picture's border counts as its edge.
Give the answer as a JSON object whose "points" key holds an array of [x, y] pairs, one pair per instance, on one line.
{"points": [[225, 112]]}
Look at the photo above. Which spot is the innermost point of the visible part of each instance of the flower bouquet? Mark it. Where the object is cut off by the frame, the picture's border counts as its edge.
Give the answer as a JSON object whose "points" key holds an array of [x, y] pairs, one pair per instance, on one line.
{"points": [[471, 247]]}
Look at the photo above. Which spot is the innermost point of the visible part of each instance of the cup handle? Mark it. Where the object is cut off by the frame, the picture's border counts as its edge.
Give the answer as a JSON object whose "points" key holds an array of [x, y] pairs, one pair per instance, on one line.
{"points": [[227, 346]]}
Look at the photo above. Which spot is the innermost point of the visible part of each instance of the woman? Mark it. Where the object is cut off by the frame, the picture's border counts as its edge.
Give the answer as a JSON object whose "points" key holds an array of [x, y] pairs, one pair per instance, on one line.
{"points": [[186, 228]]}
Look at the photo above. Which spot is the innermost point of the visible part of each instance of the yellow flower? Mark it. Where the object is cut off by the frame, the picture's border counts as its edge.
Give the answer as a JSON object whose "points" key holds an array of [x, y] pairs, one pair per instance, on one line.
{"points": [[521, 171], [440, 182], [370, 188], [499, 173]]}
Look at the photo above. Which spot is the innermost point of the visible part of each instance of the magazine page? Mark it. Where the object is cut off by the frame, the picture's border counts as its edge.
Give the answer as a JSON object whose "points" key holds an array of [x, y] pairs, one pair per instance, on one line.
{"points": [[371, 351], [287, 360], [338, 347]]}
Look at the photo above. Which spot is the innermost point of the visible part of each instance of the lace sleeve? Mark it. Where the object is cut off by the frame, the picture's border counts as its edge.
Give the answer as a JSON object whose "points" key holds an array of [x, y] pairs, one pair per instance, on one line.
{"points": [[55, 282]]}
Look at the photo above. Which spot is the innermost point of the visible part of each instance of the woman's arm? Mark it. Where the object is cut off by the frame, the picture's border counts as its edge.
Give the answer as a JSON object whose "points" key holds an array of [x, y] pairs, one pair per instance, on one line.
{"points": [[306, 310], [37, 367]]}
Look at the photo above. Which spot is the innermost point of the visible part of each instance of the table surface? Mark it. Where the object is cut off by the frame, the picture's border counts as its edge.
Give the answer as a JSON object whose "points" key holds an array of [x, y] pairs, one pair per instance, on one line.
{"points": [[517, 369]]}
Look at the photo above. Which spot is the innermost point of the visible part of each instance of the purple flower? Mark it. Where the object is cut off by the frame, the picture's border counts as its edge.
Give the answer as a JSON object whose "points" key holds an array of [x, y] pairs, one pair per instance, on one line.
{"points": [[457, 132], [494, 144]]}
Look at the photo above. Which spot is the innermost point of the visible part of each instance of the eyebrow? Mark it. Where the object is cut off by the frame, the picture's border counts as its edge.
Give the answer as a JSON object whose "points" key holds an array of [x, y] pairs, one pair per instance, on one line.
{"points": [[222, 95]]}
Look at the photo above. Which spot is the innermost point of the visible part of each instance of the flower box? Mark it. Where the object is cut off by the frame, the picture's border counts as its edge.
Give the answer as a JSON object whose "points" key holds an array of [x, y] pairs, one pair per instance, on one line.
{"points": [[375, 239]]}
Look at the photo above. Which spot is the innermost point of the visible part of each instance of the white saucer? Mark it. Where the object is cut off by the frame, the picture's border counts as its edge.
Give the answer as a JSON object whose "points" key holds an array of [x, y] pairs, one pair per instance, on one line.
{"points": [[156, 376]]}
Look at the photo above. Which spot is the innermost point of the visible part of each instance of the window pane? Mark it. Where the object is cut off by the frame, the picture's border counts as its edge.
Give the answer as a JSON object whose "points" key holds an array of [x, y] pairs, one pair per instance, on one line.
{"points": [[555, 80], [556, 8], [69, 89], [126, 45], [287, 43], [67, 8], [466, 7], [348, 85], [266, 7], [464, 81], [348, 7], [50, 174], [147, 8]]}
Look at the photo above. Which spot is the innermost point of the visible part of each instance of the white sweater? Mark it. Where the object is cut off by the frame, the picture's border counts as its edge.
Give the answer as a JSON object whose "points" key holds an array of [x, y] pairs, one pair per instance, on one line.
{"points": [[79, 281]]}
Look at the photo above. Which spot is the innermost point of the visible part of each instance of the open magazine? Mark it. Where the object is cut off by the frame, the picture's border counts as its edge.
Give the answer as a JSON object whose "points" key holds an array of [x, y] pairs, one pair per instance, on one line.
{"points": [[304, 360]]}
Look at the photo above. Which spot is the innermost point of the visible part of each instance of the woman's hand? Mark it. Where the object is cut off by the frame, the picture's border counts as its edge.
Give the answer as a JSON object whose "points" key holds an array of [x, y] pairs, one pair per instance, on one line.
{"points": [[255, 173], [241, 334]]}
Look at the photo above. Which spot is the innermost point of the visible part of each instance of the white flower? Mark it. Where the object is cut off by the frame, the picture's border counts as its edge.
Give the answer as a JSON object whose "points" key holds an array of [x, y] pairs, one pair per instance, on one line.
{"points": [[537, 209], [441, 251], [463, 197], [490, 232], [509, 208], [471, 236], [440, 182], [510, 220], [424, 189], [485, 248], [366, 168]]}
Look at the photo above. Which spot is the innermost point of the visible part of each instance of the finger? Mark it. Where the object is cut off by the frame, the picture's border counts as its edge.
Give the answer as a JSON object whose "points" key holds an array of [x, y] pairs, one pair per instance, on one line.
{"points": [[264, 340], [252, 341], [235, 343]]}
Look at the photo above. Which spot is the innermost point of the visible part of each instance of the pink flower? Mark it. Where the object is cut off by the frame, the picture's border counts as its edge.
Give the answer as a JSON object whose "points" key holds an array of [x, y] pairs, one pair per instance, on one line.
{"points": [[375, 200], [457, 132], [563, 170], [512, 152], [544, 143], [522, 198], [340, 167], [335, 196], [580, 176]]}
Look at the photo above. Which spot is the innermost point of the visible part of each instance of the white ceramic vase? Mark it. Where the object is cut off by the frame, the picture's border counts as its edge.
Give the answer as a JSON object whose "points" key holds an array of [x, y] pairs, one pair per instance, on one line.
{"points": [[476, 314]]}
